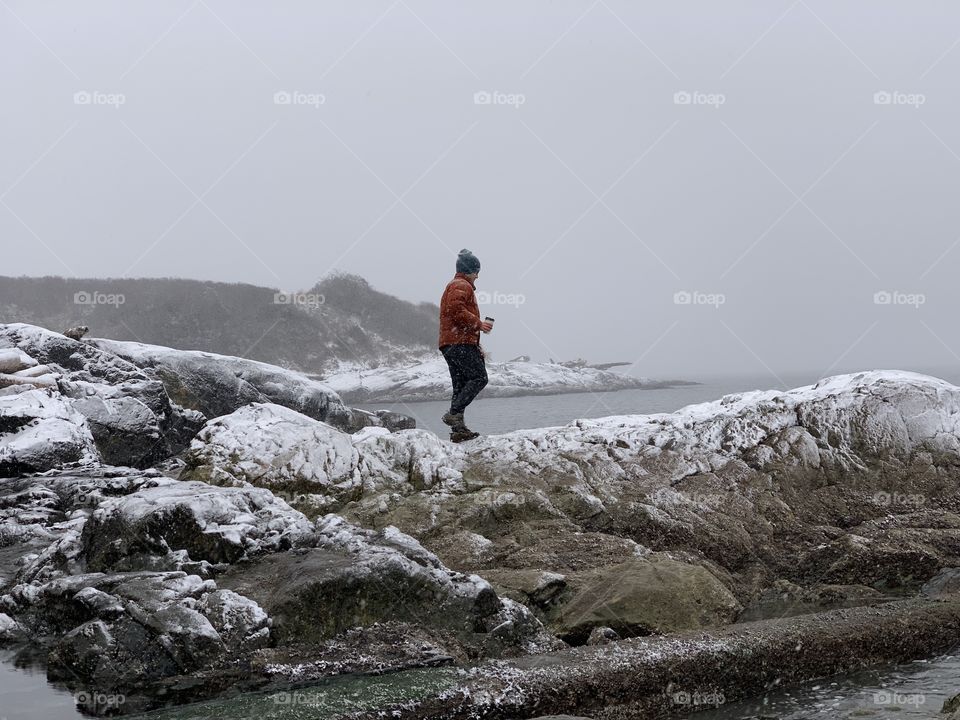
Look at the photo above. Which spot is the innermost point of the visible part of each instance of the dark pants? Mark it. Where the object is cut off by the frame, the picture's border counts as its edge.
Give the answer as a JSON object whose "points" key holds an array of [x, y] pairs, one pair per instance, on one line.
{"points": [[468, 372]]}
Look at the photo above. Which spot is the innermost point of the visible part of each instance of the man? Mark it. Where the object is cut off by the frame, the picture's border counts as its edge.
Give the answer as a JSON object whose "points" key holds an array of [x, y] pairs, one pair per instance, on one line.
{"points": [[460, 328]]}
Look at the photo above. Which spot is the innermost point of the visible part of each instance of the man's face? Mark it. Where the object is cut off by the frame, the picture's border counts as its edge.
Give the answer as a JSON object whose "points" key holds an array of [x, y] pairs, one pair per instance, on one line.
{"points": [[473, 276]]}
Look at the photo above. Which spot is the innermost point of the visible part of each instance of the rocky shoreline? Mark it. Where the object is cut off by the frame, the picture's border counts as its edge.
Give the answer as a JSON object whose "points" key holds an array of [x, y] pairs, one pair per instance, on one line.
{"points": [[175, 524]]}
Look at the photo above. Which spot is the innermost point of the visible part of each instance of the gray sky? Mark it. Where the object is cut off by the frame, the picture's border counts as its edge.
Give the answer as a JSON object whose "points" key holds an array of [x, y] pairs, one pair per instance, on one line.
{"points": [[737, 152]]}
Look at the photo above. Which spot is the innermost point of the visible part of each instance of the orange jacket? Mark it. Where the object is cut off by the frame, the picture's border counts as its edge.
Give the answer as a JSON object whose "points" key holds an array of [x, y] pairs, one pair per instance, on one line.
{"points": [[459, 313]]}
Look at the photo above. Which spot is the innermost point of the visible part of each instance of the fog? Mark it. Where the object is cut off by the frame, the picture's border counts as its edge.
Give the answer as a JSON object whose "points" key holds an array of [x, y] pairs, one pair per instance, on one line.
{"points": [[695, 187]]}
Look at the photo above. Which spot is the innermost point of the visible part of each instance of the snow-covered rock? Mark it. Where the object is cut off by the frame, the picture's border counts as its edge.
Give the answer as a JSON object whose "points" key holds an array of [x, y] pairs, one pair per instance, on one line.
{"points": [[143, 403], [127, 412], [848, 481], [134, 577], [648, 523], [310, 462], [40, 430], [178, 524], [429, 379], [217, 385]]}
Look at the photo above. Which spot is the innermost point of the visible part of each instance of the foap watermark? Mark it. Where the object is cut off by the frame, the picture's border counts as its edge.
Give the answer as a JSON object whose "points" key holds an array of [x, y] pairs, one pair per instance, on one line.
{"points": [[96, 97], [695, 297], [892, 698], [696, 97], [495, 97], [296, 97], [895, 97], [98, 298], [508, 499], [897, 499], [299, 298], [698, 698], [669, 496], [500, 298], [895, 297], [298, 698], [99, 701]]}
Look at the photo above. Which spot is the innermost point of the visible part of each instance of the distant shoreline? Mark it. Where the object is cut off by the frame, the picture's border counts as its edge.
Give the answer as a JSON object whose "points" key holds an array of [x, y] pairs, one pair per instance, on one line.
{"points": [[504, 393]]}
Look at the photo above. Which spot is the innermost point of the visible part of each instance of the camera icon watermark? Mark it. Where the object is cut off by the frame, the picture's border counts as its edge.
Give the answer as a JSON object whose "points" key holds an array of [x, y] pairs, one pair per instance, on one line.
{"points": [[86, 499], [95, 97], [98, 298], [695, 297], [500, 298], [895, 297], [895, 97], [495, 97], [299, 298], [295, 97], [695, 97]]}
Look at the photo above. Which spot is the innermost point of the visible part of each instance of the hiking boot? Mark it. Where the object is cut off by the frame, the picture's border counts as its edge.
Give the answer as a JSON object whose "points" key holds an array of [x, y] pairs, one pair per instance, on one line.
{"points": [[454, 420], [459, 436]]}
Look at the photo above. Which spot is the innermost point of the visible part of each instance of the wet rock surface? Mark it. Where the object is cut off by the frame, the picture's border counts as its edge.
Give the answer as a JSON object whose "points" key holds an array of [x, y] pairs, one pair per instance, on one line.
{"points": [[656, 677]]}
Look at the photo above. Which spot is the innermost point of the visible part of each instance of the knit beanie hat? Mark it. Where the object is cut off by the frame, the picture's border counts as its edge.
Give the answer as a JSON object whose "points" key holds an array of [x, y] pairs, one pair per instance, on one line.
{"points": [[467, 262]]}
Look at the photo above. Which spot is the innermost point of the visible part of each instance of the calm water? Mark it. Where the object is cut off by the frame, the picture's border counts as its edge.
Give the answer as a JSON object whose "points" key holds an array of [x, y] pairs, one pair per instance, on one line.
{"points": [[25, 693], [916, 690]]}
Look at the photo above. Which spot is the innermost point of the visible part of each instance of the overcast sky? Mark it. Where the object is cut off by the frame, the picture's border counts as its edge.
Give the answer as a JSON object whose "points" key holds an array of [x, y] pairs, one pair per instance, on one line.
{"points": [[697, 187]]}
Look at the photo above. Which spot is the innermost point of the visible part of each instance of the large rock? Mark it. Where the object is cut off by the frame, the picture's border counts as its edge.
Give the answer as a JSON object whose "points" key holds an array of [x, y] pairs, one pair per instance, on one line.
{"points": [[128, 413], [311, 463], [39, 430], [132, 577], [217, 385], [946, 582], [186, 524], [132, 626], [357, 578], [643, 596], [852, 481]]}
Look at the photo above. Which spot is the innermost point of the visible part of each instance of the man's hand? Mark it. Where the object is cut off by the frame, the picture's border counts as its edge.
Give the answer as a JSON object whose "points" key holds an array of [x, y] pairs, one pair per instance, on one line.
{"points": [[486, 327]]}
